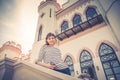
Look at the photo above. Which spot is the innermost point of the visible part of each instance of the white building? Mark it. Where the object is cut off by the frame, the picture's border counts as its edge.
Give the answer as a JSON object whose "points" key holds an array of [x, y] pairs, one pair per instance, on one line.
{"points": [[87, 33]]}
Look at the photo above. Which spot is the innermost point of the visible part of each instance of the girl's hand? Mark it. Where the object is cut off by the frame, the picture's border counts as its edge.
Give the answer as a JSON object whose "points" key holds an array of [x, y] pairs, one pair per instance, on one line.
{"points": [[52, 66]]}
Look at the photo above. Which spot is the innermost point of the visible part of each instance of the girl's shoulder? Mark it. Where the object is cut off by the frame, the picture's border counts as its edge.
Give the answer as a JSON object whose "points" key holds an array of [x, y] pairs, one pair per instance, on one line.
{"points": [[55, 48], [44, 46]]}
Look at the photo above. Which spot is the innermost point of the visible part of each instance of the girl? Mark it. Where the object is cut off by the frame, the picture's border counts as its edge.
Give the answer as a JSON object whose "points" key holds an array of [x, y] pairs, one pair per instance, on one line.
{"points": [[51, 56]]}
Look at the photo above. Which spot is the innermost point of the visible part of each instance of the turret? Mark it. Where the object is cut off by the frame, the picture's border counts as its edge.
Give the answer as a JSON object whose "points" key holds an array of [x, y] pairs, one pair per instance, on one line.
{"points": [[46, 23], [10, 49], [47, 18]]}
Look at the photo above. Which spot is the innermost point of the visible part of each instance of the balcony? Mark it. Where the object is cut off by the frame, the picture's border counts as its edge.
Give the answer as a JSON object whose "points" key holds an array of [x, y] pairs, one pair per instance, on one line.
{"points": [[80, 28]]}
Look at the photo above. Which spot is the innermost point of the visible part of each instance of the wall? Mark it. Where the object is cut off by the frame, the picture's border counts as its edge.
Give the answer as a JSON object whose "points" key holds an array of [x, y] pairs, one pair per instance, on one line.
{"points": [[26, 71]]}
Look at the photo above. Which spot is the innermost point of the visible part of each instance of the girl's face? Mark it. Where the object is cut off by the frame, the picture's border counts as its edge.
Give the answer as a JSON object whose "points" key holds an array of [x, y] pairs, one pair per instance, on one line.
{"points": [[51, 40]]}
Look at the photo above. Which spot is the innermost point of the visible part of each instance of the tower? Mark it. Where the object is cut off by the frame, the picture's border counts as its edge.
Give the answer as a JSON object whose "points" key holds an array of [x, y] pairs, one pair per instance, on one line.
{"points": [[46, 23]]}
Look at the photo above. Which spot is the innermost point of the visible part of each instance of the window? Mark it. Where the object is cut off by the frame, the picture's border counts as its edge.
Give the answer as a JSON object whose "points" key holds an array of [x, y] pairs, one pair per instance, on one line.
{"points": [[42, 15], [77, 20], [69, 61], [50, 12], [87, 65], [64, 26], [90, 13], [109, 62], [40, 33]]}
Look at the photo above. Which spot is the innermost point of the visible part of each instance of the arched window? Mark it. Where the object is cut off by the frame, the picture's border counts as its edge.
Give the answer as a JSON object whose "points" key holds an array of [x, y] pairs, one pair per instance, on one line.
{"points": [[90, 13], [69, 61], [40, 33], [109, 62], [77, 20], [64, 26], [87, 65]]}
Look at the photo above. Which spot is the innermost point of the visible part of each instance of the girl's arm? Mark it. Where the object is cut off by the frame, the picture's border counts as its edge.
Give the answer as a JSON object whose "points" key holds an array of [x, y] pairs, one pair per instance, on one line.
{"points": [[46, 65]]}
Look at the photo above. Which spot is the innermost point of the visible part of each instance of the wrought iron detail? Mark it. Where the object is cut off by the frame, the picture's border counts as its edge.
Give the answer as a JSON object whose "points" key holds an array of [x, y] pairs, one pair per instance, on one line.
{"points": [[81, 27]]}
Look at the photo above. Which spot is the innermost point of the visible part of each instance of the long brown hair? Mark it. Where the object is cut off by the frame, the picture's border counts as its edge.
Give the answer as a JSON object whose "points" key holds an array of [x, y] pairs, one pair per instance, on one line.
{"points": [[48, 35]]}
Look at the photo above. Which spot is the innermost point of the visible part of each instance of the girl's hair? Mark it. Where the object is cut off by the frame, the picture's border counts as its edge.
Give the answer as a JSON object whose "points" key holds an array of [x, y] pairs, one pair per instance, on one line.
{"points": [[48, 35]]}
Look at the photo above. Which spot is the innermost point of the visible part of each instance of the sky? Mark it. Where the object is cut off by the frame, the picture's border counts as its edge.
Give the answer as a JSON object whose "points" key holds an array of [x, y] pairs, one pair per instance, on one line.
{"points": [[18, 21]]}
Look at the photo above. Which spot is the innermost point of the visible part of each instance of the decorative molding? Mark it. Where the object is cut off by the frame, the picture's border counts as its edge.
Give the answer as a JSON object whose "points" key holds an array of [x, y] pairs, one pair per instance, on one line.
{"points": [[70, 8]]}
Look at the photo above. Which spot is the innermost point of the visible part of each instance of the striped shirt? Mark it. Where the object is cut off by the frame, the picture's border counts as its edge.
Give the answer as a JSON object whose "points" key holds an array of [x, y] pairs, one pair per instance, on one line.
{"points": [[52, 55]]}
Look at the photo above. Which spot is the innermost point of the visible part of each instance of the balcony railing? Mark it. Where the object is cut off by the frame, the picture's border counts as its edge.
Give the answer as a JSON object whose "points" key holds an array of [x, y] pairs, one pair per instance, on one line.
{"points": [[22, 70], [81, 27]]}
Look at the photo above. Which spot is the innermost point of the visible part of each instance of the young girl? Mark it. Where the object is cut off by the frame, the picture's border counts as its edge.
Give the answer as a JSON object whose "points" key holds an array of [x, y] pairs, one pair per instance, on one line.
{"points": [[51, 56]]}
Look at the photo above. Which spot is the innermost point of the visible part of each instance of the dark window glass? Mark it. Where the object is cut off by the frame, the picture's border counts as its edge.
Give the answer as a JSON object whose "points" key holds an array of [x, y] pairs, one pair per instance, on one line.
{"points": [[64, 26], [50, 12], [40, 34], [87, 65], [77, 20], [90, 13], [69, 61], [109, 61]]}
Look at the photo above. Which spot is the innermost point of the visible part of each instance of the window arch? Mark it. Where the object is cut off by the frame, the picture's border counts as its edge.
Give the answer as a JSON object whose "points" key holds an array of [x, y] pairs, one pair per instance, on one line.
{"points": [[109, 61], [87, 65], [40, 33], [77, 20], [64, 26], [91, 12], [69, 61]]}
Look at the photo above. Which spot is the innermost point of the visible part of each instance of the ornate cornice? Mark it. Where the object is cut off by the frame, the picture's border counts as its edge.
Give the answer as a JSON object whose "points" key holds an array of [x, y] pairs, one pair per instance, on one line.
{"points": [[43, 4], [70, 8]]}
